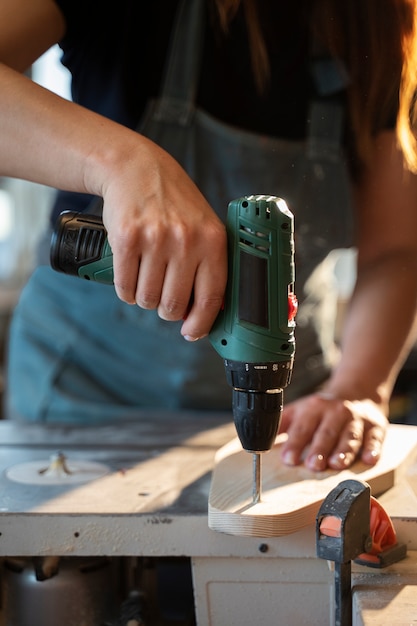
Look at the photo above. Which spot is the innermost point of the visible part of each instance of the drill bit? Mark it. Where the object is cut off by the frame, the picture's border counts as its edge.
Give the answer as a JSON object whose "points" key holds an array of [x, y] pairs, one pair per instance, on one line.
{"points": [[257, 478]]}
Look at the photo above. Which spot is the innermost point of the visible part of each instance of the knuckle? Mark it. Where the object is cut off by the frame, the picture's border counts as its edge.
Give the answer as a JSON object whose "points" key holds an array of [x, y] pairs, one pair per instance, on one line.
{"points": [[328, 434], [155, 235], [354, 433], [215, 230], [375, 438], [210, 303], [352, 447], [300, 433], [147, 299], [171, 309], [124, 239]]}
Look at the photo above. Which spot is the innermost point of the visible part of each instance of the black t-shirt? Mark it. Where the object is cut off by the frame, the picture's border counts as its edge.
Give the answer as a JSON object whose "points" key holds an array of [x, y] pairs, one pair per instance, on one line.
{"points": [[116, 54]]}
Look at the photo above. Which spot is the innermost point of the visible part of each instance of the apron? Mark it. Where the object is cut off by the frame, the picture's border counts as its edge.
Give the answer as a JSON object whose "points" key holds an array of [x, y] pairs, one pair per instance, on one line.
{"points": [[77, 354]]}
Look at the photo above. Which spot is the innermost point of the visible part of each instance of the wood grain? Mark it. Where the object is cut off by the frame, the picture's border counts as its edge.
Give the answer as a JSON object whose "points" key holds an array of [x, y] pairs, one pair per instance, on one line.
{"points": [[291, 496]]}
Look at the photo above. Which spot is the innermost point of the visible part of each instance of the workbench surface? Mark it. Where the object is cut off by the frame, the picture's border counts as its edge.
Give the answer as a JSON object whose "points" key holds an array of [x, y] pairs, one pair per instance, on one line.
{"points": [[151, 501]]}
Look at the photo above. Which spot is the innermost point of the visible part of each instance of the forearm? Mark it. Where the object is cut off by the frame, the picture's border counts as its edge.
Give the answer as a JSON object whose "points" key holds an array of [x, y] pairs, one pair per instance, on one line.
{"points": [[378, 329], [46, 139]]}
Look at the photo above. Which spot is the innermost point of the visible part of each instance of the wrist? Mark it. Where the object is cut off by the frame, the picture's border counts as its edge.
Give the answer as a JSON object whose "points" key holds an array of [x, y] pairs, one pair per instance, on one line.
{"points": [[355, 391], [108, 159]]}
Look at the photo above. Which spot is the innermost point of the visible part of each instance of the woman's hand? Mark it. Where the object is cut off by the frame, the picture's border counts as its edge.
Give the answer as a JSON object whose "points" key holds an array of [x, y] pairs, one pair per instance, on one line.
{"points": [[169, 247], [327, 432]]}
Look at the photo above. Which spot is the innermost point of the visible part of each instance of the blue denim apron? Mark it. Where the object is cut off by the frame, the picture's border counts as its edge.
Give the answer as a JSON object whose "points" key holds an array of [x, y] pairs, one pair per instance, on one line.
{"points": [[79, 355]]}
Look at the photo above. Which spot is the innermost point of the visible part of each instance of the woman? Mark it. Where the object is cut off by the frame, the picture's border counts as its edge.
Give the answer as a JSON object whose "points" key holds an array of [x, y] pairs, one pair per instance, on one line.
{"points": [[307, 102]]}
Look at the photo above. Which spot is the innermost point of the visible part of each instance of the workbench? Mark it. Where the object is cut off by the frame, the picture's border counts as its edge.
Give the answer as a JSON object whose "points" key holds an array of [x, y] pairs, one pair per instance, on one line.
{"points": [[151, 500]]}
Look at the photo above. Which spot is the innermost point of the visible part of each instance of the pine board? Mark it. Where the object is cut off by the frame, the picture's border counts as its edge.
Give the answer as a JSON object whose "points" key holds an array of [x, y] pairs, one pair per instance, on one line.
{"points": [[291, 496]]}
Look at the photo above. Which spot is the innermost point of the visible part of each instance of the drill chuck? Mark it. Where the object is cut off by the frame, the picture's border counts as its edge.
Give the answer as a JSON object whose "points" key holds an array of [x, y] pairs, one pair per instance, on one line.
{"points": [[257, 400], [256, 416]]}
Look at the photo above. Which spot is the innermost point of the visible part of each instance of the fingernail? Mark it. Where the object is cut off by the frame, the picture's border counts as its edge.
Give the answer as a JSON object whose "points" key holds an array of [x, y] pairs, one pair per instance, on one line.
{"points": [[190, 338], [339, 461], [316, 462], [290, 458], [371, 456]]}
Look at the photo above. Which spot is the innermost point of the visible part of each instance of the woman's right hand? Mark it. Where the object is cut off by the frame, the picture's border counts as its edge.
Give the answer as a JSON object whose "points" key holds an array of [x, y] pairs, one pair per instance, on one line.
{"points": [[169, 247]]}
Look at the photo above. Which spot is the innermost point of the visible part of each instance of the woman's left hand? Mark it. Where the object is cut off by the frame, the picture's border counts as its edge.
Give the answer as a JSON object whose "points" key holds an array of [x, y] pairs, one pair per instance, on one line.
{"points": [[327, 432]]}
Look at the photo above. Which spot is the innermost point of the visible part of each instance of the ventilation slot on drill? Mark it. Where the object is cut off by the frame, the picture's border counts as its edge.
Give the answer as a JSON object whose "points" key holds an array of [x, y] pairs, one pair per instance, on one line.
{"points": [[254, 239], [89, 244], [267, 212]]}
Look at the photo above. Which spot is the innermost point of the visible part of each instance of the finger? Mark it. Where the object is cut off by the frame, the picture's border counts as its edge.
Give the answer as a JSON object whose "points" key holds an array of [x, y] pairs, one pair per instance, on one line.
{"points": [[347, 448], [300, 421], [126, 272], [372, 444], [126, 259], [208, 295], [177, 291], [287, 416], [201, 315], [150, 281]]}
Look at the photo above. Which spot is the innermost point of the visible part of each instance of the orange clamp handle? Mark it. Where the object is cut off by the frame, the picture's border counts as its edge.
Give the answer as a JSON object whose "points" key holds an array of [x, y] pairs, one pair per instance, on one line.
{"points": [[382, 532]]}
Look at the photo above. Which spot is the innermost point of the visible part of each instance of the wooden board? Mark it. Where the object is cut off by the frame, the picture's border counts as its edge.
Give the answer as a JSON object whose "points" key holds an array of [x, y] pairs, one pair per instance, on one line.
{"points": [[291, 496]]}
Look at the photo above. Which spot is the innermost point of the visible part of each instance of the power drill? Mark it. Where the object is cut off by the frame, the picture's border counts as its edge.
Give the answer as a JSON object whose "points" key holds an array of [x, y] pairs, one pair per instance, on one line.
{"points": [[254, 331]]}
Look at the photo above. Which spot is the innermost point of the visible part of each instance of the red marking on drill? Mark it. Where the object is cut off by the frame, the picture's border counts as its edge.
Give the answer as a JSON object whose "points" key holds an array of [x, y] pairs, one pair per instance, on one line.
{"points": [[292, 306]]}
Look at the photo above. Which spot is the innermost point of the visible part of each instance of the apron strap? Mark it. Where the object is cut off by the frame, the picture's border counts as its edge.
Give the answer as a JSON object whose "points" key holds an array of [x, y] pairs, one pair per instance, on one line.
{"points": [[180, 81], [325, 130], [325, 125]]}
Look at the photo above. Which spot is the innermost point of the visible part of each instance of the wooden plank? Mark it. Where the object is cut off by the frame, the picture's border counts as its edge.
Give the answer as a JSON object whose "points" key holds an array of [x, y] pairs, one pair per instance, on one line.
{"points": [[292, 495]]}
